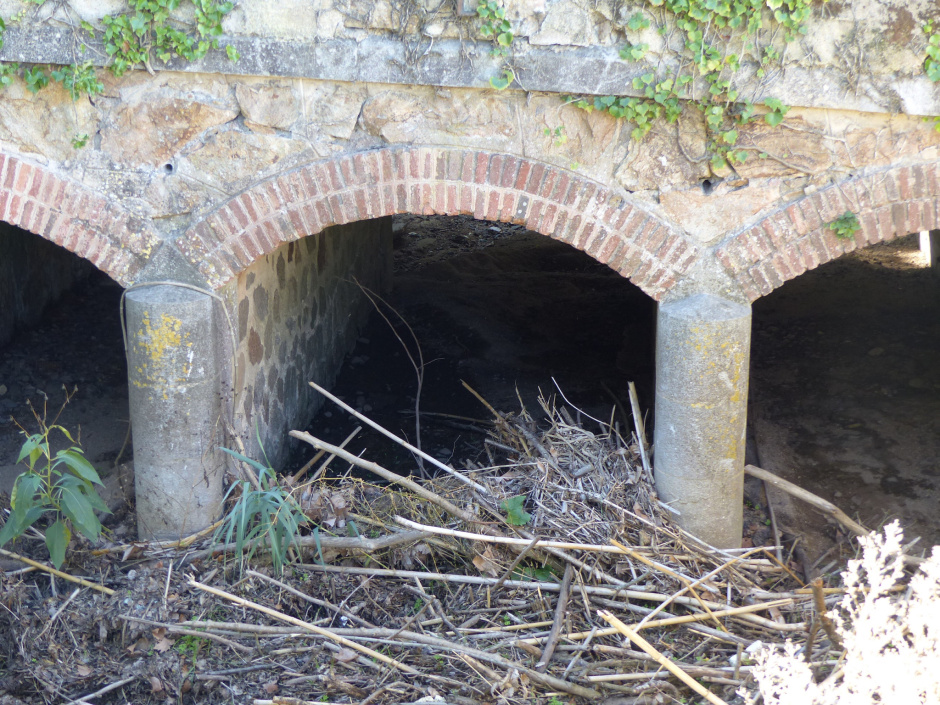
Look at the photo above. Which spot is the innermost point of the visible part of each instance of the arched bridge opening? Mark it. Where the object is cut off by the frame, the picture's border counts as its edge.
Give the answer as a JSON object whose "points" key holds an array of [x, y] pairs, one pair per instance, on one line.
{"points": [[844, 390], [505, 310], [61, 357]]}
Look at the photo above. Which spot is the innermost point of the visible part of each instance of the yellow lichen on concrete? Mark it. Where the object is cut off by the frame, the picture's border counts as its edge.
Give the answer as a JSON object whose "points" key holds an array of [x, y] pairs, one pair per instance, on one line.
{"points": [[157, 343]]}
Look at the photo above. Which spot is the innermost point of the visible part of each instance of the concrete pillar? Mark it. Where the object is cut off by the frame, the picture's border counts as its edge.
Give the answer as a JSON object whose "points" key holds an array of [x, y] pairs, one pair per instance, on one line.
{"points": [[175, 407], [930, 247], [702, 354]]}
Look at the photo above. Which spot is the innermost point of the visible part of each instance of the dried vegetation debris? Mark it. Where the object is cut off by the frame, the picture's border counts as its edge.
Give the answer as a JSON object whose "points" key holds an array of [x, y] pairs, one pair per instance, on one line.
{"points": [[553, 574]]}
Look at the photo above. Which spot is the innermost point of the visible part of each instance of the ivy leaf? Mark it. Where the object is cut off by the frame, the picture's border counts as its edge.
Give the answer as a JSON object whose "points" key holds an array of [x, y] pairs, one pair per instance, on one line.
{"points": [[515, 512], [503, 82]]}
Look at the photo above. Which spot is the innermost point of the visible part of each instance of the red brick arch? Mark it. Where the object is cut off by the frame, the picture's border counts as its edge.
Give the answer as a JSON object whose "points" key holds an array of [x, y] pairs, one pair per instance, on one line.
{"points": [[445, 181], [36, 199], [889, 204]]}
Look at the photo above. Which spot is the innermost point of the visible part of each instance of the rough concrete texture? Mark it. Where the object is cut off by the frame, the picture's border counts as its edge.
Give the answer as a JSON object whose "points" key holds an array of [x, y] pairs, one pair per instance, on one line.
{"points": [[702, 354], [298, 314], [175, 410], [930, 247], [33, 273]]}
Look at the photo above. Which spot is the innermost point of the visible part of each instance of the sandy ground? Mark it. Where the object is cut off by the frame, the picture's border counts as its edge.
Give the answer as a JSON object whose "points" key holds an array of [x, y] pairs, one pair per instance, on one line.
{"points": [[845, 389]]}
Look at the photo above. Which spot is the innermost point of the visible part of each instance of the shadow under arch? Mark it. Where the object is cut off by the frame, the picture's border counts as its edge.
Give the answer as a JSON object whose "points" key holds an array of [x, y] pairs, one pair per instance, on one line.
{"points": [[37, 199], [592, 217], [795, 238]]}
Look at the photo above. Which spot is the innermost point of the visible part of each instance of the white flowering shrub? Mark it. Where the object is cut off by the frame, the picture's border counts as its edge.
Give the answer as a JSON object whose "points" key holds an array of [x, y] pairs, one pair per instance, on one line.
{"points": [[891, 638]]}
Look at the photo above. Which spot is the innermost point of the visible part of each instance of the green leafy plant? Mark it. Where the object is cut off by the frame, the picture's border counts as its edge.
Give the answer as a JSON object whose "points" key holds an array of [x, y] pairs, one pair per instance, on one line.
{"points": [[79, 141], [130, 38], [267, 515], [36, 78], [79, 79], [515, 512], [719, 35], [495, 26], [777, 112], [638, 22], [932, 62], [558, 136], [634, 52], [845, 226], [61, 485], [8, 72]]}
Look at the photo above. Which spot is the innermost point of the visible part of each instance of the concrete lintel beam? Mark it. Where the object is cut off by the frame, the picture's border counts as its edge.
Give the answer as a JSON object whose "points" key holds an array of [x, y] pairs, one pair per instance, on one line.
{"points": [[702, 359], [173, 375]]}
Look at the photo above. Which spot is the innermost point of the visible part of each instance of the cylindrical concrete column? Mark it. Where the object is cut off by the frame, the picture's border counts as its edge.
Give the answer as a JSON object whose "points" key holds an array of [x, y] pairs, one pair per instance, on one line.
{"points": [[173, 376], [930, 247], [703, 347]]}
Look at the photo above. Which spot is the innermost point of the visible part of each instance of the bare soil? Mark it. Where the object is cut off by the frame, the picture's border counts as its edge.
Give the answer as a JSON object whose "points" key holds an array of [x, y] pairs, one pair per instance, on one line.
{"points": [[845, 391]]}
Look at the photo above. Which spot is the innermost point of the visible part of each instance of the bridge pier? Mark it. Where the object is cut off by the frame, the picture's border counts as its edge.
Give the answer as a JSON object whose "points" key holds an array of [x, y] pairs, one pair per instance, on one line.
{"points": [[702, 356], [173, 375], [930, 247]]}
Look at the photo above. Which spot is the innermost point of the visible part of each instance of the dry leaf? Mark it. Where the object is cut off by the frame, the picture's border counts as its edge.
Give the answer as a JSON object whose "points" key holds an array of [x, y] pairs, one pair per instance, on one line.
{"points": [[346, 655], [163, 645], [270, 687], [83, 671], [486, 563], [156, 685], [140, 645]]}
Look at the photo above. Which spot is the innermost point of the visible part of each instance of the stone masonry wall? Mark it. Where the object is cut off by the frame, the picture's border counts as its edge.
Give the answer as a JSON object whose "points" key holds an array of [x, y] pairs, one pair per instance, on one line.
{"points": [[33, 273], [298, 314]]}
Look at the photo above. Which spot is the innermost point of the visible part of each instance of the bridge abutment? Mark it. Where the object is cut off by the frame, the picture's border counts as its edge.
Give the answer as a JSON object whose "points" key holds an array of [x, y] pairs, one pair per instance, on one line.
{"points": [[702, 356]]}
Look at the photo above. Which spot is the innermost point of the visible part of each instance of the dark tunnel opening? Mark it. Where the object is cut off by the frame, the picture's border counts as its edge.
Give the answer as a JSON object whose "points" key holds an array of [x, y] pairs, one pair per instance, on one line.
{"points": [[59, 337], [506, 310]]}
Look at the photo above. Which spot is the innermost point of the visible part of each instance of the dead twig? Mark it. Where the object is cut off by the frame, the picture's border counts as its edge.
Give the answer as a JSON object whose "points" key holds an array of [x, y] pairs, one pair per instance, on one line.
{"points": [[385, 432], [304, 625], [57, 573], [560, 607], [796, 491], [661, 660]]}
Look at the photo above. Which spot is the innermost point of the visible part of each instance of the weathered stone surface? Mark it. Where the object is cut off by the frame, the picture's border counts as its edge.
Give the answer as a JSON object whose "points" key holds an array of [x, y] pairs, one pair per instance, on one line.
{"points": [[447, 117], [330, 111], [231, 160], [266, 104], [708, 217], [567, 24], [284, 19], [657, 163], [155, 120], [797, 148], [589, 143], [156, 131], [45, 123]]}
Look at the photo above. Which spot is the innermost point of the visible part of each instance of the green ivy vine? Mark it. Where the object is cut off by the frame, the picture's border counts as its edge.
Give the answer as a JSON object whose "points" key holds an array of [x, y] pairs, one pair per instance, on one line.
{"points": [[717, 36], [136, 38], [496, 27]]}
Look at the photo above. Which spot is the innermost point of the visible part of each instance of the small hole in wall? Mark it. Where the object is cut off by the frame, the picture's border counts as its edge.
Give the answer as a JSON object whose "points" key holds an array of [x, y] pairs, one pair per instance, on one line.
{"points": [[168, 168], [708, 185]]}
